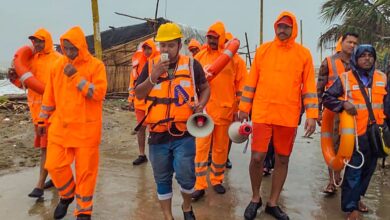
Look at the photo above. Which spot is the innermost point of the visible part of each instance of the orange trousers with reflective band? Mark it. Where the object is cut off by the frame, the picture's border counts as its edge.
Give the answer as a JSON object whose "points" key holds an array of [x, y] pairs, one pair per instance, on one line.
{"points": [[219, 140], [58, 164]]}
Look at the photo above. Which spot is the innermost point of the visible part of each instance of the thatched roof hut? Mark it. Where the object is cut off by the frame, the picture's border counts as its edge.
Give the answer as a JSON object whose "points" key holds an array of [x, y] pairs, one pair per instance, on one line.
{"points": [[119, 44]]}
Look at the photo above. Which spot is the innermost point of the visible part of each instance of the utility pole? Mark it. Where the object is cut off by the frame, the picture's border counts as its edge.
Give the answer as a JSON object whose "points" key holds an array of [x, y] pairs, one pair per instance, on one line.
{"points": [[261, 21], [96, 30], [301, 32], [155, 25]]}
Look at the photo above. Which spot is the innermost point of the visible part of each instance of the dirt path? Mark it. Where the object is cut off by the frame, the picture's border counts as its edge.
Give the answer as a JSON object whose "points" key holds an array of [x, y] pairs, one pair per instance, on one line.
{"points": [[17, 136]]}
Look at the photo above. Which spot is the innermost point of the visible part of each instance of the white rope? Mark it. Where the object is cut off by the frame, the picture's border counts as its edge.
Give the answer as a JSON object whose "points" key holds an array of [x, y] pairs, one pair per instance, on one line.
{"points": [[346, 162], [334, 180]]}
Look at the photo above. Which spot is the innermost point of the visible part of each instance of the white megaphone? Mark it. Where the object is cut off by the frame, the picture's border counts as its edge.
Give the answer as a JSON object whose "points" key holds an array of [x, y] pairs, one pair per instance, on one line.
{"points": [[239, 132], [200, 125]]}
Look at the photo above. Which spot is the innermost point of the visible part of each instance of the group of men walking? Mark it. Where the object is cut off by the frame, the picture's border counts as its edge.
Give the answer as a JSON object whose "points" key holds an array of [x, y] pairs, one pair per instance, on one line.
{"points": [[280, 85], [67, 116], [167, 87]]}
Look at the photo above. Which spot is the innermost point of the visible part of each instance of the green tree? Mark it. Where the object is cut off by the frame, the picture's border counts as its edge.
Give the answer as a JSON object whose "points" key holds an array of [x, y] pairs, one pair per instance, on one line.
{"points": [[368, 18]]}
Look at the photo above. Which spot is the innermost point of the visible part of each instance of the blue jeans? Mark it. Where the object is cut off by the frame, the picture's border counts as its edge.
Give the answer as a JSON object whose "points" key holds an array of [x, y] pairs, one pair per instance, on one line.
{"points": [[175, 156], [356, 181]]}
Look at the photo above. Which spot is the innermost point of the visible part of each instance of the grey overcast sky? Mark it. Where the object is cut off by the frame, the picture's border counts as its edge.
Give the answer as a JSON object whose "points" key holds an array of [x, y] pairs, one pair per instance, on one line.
{"points": [[20, 18]]}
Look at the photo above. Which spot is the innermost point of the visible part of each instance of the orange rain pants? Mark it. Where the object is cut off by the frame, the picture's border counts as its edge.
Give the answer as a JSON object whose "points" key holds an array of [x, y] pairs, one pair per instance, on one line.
{"points": [[219, 139], [58, 163]]}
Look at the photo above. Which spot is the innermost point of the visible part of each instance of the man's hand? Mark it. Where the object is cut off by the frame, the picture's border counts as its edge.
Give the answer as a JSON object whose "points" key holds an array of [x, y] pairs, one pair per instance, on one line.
{"points": [[310, 127], [12, 75], [319, 119], [69, 70], [158, 69], [235, 116], [41, 130], [198, 108], [243, 116], [349, 108], [131, 106]]}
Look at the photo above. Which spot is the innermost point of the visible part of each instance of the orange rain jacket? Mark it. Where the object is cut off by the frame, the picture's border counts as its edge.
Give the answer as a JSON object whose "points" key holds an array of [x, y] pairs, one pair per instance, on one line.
{"points": [[282, 73], [223, 88], [338, 44], [138, 62], [77, 100], [40, 66], [241, 71]]}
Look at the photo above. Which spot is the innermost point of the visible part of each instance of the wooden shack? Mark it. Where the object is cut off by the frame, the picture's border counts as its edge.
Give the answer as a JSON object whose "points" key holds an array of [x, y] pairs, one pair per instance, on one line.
{"points": [[119, 44]]}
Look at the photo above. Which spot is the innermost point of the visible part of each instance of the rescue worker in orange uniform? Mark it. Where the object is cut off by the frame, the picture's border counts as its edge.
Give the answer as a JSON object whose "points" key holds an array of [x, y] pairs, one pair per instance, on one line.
{"points": [[76, 90], [221, 109], [345, 95], [40, 66], [242, 72], [338, 45], [194, 47], [330, 69], [170, 88], [148, 51], [282, 73]]}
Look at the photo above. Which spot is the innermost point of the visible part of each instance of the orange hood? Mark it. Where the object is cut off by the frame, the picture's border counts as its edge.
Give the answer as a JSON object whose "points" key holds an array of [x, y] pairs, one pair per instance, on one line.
{"points": [[43, 34], [294, 33], [194, 43], [338, 45], [150, 43], [219, 28], [77, 37], [229, 36]]}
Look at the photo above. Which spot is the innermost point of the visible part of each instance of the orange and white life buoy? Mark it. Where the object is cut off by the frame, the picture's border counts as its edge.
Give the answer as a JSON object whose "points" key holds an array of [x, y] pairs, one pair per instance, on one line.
{"points": [[212, 70], [22, 59], [347, 141]]}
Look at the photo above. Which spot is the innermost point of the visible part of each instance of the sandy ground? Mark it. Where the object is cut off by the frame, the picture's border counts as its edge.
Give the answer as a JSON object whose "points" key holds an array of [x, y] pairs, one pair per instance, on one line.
{"points": [[127, 192], [17, 133]]}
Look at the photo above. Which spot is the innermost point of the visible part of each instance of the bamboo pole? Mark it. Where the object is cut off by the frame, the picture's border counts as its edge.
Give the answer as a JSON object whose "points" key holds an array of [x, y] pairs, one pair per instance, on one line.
{"points": [[96, 29], [261, 21], [301, 31]]}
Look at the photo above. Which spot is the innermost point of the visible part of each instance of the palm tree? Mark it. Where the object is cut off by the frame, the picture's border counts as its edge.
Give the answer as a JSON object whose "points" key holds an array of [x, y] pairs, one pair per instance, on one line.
{"points": [[368, 18]]}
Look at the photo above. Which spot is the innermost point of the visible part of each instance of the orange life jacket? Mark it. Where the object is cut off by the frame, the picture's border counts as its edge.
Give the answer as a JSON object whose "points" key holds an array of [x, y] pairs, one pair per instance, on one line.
{"points": [[335, 67], [170, 99], [376, 93]]}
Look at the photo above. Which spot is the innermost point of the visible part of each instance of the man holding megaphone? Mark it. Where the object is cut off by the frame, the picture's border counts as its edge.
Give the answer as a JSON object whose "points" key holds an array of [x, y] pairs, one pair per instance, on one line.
{"points": [[220, 108], [170, 84]]}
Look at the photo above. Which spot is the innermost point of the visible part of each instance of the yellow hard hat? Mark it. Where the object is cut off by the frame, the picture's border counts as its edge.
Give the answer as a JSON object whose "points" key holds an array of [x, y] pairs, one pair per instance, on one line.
{"points": [[168, 32]]}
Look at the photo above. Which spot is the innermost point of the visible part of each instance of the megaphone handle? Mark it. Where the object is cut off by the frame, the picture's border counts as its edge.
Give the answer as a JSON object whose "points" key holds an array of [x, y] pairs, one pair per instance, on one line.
{"points": [[246, 146], [196, 99]]}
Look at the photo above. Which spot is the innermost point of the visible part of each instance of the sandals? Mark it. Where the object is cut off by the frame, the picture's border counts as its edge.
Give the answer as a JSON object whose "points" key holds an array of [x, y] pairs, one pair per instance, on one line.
{"points": [[330, 189], [353, 216], [266, 171], [362, 207]]}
